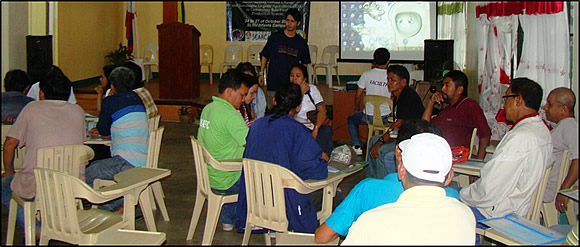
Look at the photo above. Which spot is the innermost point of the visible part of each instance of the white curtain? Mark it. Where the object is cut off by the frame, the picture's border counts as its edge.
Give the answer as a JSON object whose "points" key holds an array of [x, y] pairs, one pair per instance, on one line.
{"points": [[451, 21], [496, 49], [546, 50]]}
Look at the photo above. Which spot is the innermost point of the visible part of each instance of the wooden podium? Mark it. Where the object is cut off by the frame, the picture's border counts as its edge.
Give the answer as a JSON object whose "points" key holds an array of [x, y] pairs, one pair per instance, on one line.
{"points": [[179, 66]]}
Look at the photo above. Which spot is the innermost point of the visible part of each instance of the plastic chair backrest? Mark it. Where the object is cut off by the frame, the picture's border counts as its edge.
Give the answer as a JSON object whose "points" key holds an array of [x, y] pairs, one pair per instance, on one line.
{"points": [[206, 54], [64, 158], [151, 53], [564, 166], [59, 209], [199, 159], [154, 122], [254, 54], [154, 147], [313, 52], [265, 184], [331, 51], [472, 144], [377, 101], [537, 197], [234, 54]]}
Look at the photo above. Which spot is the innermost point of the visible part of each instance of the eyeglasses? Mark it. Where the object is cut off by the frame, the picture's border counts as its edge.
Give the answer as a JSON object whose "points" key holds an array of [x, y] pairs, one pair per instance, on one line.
{"points": [[508, 96]]}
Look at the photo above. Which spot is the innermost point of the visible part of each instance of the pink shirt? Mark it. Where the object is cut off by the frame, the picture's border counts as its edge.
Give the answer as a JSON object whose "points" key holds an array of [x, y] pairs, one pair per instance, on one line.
{"points": [[42, 124]]}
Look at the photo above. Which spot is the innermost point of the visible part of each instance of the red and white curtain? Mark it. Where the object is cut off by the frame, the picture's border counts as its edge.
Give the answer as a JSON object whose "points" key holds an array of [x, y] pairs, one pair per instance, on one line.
{"points": [[545, 52]]}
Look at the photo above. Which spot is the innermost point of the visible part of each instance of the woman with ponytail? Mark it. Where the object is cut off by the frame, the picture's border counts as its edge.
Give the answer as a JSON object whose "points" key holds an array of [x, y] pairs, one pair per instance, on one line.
{"points": [[278, 138]]}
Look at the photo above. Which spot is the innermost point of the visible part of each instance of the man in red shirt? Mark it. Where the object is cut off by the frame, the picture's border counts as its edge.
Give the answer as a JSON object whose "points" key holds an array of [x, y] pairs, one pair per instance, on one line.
{"points": [[461, 114]]}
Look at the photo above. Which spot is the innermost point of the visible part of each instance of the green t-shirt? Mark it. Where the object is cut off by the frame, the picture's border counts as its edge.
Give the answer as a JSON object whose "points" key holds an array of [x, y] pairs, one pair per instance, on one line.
{"points": [[222, 131]]}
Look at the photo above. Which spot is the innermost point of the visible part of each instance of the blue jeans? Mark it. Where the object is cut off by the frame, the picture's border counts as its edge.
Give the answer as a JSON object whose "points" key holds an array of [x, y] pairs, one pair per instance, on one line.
{"points": [[385, 163], [7, 194], [228, 214], [356, 119], [106, 169], [324, 138]]}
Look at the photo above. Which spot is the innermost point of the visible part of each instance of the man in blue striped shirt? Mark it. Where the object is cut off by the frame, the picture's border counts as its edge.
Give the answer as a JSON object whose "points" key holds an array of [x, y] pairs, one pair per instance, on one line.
{"points": [[123, 118]]}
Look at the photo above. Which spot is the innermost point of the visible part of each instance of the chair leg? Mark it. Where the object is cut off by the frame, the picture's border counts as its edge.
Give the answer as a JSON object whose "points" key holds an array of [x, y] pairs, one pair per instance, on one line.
{"points": [[550, 214], [43, 240], [158, 195], [199, 201], [570, 214], [247, 233], [153, 205], [11, 222], [145, 203], [371, 129], [210, 74], [337, 76], [29, 224], [267, 239], [214, 207], [329, 76]]}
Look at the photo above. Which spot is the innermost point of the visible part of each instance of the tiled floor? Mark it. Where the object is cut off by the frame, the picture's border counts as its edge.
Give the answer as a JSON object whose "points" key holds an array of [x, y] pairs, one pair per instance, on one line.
{"points": [[179, 188]]}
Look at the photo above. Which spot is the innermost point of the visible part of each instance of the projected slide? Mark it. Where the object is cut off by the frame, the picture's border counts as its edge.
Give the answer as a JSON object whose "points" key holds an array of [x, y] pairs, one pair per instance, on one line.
{"points": [[401, 27]]}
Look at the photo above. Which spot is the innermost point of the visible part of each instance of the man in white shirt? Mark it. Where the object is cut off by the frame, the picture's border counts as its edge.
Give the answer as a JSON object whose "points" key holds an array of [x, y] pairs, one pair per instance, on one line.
{"points": [[509, 179], [423, 214], [560, 110], [374, 81]]}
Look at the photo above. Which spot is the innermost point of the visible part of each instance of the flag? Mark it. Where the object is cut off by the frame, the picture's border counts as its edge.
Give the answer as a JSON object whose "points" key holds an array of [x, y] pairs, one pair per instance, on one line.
{"points": [[181, 12], [129, 16]]}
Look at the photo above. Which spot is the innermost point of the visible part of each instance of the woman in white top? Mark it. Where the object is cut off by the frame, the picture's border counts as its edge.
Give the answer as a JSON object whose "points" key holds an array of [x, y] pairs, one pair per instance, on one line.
{"points": [[312, 100]]}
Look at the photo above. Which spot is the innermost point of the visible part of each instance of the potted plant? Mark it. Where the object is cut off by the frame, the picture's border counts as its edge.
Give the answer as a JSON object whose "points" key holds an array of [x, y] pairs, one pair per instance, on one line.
{"points": [[119, 56], [184, 114]]}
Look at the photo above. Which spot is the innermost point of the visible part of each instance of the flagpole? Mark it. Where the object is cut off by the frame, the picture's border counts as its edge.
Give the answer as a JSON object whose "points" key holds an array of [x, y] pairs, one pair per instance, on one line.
{"points": [[136, 35]]}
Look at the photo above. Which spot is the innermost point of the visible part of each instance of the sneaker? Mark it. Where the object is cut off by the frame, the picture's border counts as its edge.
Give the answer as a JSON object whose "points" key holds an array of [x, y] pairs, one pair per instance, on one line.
{"points": [[357, 150], [227, 227]]}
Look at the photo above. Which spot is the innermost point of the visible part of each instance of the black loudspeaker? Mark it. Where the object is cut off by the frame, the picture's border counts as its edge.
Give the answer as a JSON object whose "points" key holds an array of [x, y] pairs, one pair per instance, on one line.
{"points": [[38, 55], [438, 56]]}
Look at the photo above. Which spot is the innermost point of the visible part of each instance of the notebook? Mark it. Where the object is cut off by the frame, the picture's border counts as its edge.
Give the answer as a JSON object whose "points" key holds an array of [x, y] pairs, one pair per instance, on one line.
{"points": [[523, 230]]}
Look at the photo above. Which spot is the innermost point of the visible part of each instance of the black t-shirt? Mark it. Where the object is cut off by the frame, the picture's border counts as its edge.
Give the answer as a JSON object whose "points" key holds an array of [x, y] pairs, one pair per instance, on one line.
{"points": [[283, 52], [408, 105]]}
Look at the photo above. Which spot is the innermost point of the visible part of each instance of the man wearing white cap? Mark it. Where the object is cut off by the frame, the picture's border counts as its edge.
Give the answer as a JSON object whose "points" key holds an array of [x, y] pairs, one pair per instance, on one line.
{"points": [[422, 215]]}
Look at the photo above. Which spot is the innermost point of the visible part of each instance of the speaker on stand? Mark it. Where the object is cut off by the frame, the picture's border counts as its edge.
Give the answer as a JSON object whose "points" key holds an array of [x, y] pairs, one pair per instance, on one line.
{"points": [[38, 55], [438, 57]]}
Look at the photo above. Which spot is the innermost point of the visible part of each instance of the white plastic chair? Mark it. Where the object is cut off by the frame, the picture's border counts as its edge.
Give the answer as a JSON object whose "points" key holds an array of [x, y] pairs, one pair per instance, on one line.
{"points": [[313, 55], [154, 122], [151, 59], [154, 192], [463, 179], [61, 220], [254, 56], [64, 158], [535, 203], [18, 152], [331, 52], [207, 59], [265, 184], [233, 55], [549, 211], [377, 126], [202, 158]]}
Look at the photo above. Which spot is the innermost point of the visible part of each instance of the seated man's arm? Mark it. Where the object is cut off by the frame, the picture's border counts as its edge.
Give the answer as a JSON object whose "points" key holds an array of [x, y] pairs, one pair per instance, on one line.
{"points": [[324, 234], [483, 142], [572, 176], [10, 146], [357, 99], [436, 98]]}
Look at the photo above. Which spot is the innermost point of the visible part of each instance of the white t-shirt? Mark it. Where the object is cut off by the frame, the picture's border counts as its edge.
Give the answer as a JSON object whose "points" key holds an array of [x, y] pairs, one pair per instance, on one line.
{"points": [[34, 92], [564, 136], [307, 106], [374, 82]]}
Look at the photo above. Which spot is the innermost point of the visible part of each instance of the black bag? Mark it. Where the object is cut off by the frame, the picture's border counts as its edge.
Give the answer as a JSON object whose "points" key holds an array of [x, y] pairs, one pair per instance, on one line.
{"points": [[312, 115]]}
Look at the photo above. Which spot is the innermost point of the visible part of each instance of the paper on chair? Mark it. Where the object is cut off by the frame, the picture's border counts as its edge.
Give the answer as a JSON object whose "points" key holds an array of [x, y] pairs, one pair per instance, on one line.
{"points": [[523, 230]]}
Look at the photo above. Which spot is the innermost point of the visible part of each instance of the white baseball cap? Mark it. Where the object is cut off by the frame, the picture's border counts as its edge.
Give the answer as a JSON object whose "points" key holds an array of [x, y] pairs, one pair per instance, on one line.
{"points": [[427, 156]]}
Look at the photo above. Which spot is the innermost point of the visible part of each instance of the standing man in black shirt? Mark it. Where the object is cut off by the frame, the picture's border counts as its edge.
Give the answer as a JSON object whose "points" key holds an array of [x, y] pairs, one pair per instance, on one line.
{"points": [[283, 49]]}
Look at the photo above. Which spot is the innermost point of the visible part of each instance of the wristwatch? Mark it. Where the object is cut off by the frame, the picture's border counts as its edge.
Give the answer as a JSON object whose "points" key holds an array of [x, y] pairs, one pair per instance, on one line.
{"points": [[382, 140], [260, 73]]}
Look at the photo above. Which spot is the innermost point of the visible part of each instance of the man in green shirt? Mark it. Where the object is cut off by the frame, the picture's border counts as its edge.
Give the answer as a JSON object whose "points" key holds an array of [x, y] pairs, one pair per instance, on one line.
{"points": [[222, 131]]}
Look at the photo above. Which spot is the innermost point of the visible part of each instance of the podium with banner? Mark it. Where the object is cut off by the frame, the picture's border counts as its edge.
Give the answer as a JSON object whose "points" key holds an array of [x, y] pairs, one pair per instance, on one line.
{"points": [[179, 65]]}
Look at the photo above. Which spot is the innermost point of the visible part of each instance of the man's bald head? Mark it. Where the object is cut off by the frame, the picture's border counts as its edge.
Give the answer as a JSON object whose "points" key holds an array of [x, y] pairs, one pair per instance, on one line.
{"points": [[564, 96]]}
